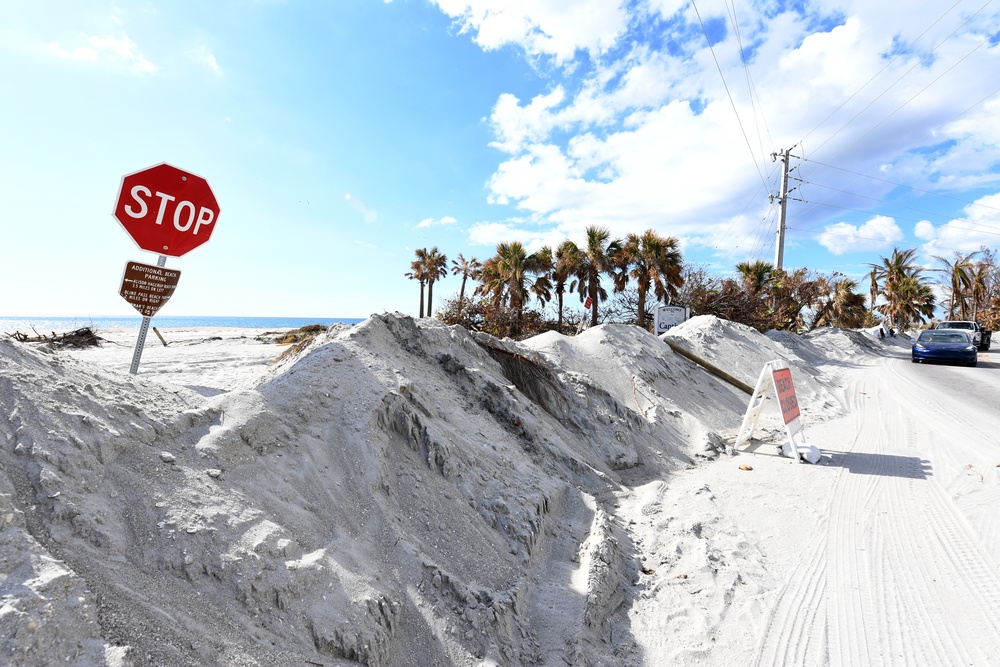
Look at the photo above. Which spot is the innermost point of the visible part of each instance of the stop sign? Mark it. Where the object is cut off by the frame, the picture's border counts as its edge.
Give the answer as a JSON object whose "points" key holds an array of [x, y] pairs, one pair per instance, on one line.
{"points": [[166, 210]]}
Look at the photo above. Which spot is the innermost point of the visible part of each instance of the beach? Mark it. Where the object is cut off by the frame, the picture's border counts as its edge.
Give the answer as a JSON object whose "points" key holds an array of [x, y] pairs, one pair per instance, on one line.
{"points": [[400, 492]]}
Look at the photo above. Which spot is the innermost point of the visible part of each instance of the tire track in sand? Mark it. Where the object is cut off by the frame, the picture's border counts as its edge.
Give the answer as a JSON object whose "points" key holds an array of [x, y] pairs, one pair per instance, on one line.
{"points": [[892, 577]]}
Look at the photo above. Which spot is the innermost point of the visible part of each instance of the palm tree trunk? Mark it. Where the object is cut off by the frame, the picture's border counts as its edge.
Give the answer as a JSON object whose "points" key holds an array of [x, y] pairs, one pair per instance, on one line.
{"points": [[641, 318], [593, 303], [430, 295], [820, 314], [421, 299], [461, 294]]}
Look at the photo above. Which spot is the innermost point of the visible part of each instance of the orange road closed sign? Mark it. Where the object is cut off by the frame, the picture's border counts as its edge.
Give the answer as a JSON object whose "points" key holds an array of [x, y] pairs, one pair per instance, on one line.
{"points": [[785, 390], [147, 287]]}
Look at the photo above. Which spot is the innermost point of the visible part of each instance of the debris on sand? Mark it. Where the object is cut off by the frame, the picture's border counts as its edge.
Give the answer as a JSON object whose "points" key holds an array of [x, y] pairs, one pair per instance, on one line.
{"points": [[84, 337]]}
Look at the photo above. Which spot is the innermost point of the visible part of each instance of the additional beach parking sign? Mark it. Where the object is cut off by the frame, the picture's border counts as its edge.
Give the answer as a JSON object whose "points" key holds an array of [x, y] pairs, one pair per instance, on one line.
{"points": [[147, 287]]}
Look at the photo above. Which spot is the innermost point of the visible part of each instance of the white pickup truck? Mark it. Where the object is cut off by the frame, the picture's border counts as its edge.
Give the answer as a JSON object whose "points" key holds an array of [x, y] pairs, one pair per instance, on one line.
{"points": [[980, 338]]}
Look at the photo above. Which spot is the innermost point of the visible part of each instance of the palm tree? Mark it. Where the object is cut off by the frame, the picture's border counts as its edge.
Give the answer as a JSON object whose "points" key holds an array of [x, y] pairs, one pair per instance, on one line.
{"points": [[542, 264], [651, 260], [979, 279], [756, 276], [896, 267], [568, 258], [467, 268], [600, 256], [901, 286], [959, 275], [845, 308], [435, 267], [908, 299], [417, 273], [505, 277]]}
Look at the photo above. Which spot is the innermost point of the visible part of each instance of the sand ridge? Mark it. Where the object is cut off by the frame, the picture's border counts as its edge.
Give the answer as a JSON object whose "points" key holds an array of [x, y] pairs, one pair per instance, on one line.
{"points": [[402, 492]]}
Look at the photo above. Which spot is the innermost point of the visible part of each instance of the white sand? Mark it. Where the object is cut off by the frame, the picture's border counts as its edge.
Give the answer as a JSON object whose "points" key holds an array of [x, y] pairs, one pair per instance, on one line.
{"points": [[405, 493]]}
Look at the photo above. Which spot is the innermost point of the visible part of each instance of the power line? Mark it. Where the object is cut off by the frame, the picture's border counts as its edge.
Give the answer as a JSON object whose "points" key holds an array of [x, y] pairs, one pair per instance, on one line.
{"points": [[762, 234], [896, 217], [884, 92], [903, 76], [914, 246], [753, 198], [760, 227], [911, 145], [917, 94], [751, 90], [756, 230], [881, 201], [726, 86], [902, 185]]}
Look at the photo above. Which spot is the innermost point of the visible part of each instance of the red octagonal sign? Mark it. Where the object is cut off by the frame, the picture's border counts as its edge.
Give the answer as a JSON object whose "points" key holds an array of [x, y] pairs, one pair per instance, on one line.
{"points": [[166, 210]]}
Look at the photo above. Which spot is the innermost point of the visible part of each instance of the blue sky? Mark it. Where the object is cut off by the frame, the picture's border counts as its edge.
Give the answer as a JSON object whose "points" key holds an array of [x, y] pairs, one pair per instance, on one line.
{"points": [[340, 136]]}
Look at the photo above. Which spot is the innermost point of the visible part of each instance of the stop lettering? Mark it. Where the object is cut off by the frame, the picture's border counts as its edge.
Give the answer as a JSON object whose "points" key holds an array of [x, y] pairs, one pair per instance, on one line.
{"points": [[166, 210]]}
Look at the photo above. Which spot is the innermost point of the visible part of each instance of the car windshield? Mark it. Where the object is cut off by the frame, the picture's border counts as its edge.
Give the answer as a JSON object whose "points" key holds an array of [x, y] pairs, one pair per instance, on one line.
{"points": [[943, 337], [955, 325]]}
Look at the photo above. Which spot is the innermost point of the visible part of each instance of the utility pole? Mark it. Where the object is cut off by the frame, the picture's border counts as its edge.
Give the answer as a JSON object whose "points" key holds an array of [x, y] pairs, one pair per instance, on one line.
{"points": [[779, 246]]}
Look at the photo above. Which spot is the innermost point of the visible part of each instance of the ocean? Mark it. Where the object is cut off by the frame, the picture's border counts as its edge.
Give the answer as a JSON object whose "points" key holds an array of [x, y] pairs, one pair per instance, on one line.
{"points": [[48, 325]]}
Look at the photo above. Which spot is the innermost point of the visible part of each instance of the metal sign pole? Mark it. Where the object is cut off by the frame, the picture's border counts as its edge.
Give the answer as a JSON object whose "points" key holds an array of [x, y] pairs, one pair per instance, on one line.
{"points": [[143, 330]]}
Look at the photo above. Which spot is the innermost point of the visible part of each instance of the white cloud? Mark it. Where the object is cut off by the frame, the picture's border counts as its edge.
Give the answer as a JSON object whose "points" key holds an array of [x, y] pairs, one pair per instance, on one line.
{"points": [[925, 230], [533, 237], [515, 126], [79, 53], [665, 174], [980, 227], [370, 216], [431, 222], [121, 50], [207, 58], [650, 138], [878, 233], [641, 82], [557, 28]]}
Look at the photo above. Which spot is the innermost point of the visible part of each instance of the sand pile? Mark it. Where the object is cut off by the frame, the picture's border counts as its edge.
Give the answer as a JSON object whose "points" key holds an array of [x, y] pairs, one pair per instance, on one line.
{"points": [[399, 492]]}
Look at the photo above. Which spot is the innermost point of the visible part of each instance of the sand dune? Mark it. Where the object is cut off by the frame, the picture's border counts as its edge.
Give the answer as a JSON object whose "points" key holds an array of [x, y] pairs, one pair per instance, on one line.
{"points": [[401, 492]]}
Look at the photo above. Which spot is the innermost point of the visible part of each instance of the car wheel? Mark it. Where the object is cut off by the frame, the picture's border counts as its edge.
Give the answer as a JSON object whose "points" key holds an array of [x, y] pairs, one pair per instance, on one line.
{"points": [[973, 363], [913, 359]]}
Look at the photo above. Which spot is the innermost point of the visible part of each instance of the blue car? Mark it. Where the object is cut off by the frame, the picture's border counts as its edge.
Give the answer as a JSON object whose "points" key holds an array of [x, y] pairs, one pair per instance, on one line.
{"points": [[944, 345]]}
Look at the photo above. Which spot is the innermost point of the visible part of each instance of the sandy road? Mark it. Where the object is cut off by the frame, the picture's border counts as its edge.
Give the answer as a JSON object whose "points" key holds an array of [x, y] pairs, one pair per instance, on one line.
{"points": [[902, 566]]}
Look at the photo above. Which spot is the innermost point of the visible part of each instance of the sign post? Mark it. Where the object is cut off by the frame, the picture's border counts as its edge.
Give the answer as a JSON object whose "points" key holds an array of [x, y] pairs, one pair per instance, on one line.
{"points": [[167, 211]]}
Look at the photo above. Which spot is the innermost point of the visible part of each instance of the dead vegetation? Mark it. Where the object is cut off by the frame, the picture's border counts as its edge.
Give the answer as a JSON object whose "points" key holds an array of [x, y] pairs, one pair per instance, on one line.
{"points": [[299, 335], [84, 337], [296, 339]]}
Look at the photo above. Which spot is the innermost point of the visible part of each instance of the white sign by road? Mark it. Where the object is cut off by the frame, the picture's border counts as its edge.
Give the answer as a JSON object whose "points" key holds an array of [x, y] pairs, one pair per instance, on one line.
{"points": [[668, 317]]}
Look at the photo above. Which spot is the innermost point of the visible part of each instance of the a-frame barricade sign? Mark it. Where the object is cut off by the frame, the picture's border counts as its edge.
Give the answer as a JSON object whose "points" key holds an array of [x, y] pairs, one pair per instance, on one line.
{"points": [[777, 376]]}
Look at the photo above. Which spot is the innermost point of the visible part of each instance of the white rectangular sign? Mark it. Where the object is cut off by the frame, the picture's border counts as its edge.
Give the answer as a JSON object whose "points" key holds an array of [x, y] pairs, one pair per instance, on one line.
{"points": [[668, 317]]}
